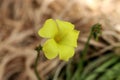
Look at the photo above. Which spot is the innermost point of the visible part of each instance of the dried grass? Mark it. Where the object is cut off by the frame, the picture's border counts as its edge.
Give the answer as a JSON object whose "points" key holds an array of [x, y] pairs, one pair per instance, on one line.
{"points": [[21, 19]]}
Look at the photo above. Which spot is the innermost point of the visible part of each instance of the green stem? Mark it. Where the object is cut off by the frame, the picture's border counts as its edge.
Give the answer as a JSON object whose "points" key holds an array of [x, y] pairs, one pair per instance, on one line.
{"points": [[81, 62], [68, 70], [95, 30], [86, 45], [38, 49]]}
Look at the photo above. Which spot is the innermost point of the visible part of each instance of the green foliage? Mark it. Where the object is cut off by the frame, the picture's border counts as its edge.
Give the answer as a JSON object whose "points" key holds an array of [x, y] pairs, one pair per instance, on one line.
{"points": [[108, 70]]}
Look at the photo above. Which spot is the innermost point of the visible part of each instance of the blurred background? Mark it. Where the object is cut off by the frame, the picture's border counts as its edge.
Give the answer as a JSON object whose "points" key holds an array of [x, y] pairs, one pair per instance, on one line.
{"points": [[20, 21]]}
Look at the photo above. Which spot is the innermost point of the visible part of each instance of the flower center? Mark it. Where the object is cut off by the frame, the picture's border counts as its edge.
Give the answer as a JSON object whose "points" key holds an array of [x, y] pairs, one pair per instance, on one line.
{"points": [[57, 39]]}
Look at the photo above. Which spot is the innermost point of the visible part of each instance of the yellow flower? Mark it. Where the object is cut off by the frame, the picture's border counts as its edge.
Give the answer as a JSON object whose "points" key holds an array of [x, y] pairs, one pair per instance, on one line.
{"points": [[61, 39]]}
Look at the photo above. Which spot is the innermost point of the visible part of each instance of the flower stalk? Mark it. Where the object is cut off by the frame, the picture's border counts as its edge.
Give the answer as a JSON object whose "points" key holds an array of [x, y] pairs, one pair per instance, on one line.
{"points": [[95, 32], [38, 49]]}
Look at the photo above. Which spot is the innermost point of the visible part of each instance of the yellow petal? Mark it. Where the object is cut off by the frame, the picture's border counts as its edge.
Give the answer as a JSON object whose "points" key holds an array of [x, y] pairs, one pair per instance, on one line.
{"points": [[70, 39], [49, 29], [50, 49], [65, 52], [64, 27]]}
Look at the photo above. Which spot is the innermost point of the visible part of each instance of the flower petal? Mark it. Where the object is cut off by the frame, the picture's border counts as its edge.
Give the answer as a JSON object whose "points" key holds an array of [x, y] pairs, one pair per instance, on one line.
{"points": [[49, 29], [50, 49], [64, 27], [70, 39], [65, 52]]}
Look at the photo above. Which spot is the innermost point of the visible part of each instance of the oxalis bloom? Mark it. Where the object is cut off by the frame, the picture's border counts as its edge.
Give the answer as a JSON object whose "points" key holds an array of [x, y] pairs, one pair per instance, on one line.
{"points": [[61, 39]]}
